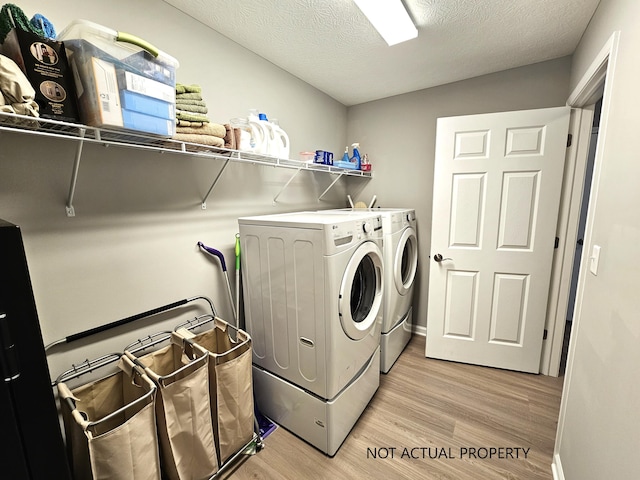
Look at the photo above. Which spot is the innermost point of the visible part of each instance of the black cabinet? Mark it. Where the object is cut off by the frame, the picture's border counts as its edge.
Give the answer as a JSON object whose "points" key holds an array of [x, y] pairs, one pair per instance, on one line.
{"points": [[32, 441]]}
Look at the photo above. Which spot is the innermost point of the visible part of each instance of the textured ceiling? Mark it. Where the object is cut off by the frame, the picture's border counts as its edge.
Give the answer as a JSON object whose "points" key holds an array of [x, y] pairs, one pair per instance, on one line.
{"points": [[331, 45]]}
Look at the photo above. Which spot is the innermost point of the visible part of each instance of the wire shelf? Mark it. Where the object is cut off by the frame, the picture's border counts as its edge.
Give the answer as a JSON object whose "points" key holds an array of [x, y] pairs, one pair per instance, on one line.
{"points": [[129, 139]]}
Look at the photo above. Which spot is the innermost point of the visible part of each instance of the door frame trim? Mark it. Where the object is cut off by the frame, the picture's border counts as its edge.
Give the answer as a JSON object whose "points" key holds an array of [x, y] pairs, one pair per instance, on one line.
{"points": [[599, 77], [567, 233], [595, 83]]}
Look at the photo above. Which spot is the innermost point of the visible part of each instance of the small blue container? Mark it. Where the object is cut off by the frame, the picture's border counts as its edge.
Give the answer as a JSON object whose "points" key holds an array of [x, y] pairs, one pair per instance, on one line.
{"points": [[323, 157]]}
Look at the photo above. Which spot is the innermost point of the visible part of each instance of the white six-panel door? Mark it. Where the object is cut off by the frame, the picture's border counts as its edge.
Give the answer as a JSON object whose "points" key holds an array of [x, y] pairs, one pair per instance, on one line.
{"points": [[495, 206]]}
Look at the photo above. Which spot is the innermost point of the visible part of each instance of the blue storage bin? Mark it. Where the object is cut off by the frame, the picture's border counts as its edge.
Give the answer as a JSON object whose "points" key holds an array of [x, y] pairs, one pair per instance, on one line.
{"points": [[136, 102]]}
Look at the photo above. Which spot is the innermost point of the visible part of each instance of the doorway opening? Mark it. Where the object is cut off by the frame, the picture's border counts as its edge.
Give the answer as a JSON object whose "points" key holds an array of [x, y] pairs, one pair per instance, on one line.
{"points": [[593, 89], [584, 208]]}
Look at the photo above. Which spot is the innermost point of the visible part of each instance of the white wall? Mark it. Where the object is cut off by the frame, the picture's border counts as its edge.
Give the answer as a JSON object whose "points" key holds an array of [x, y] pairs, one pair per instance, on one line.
{"points": [[132, 245], [599, 431], [399, 134]]}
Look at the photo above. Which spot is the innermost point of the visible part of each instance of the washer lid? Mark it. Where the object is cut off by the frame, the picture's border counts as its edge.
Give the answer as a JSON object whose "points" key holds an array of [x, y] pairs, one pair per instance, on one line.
{"points": [[361, 291], [405, 263]]}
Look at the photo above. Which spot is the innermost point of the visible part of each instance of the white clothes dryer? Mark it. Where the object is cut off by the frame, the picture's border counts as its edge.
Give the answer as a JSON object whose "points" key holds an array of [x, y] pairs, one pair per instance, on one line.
{"points": [[400, 253], [313, 292]]}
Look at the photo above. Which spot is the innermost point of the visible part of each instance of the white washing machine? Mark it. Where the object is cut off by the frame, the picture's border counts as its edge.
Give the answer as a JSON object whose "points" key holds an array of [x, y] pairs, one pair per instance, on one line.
{"points": [[313, 292], [400, 253]]}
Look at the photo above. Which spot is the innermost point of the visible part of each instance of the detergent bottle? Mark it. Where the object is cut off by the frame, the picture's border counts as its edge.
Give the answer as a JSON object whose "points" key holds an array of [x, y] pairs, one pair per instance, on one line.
{"points": [[277, 138], [356, 155], [272, 147], [281, 139], [259, 133]]}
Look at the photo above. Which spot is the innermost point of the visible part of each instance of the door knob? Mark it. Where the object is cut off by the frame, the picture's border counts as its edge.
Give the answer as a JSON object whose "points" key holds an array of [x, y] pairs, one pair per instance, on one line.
{"points": [[438, 258]]}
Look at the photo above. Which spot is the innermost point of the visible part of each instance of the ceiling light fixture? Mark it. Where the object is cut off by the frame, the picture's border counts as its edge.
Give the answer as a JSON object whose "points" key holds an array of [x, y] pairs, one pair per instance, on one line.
{"points": [[390, 18]]}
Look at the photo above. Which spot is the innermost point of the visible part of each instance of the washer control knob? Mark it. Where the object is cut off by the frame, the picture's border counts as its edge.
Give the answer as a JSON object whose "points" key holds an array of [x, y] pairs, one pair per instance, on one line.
{"points": [[366, 226]]}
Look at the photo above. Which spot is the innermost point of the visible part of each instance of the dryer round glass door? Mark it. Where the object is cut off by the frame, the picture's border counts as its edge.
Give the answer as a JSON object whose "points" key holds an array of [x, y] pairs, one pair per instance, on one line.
{"points": [[361, 291], [406, 261]]}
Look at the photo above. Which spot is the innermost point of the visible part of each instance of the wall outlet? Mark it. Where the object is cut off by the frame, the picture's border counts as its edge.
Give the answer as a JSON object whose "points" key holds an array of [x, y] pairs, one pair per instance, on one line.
{"points": [[594, 259]]}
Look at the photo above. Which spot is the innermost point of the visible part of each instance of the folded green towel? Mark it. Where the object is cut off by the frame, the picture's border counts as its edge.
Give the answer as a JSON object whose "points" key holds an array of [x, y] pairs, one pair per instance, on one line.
{"points": [[187, 123], [211, 128], [189, 101], [209, 140], [191, 117], [181, 88], [189, 96], [191, 108]]}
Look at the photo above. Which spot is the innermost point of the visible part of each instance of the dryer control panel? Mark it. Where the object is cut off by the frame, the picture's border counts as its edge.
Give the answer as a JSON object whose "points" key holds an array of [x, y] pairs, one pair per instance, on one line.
{"points": [[349, 232], [372, 227], [401, 220]]}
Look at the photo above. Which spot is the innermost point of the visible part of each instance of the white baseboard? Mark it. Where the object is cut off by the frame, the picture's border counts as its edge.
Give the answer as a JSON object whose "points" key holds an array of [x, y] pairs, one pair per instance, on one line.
{"points": [[556, 468], [420, 330]]}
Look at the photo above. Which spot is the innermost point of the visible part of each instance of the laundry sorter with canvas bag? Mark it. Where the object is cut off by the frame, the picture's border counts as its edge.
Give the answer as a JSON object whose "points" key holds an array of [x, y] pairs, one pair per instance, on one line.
{"points": [[183, 413], [230, 382], [180, 411], [110, 423]]}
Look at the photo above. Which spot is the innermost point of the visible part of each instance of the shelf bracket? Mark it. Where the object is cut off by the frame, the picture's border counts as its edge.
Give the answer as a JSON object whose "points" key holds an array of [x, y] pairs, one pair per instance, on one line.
{"points": [[286, 185], [329, 187], [74, 175], [215, 181]]}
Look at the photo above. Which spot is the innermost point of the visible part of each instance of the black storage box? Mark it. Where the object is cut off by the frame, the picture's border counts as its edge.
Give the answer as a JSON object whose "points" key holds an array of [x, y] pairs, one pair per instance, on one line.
{"points": [[44, 62]]}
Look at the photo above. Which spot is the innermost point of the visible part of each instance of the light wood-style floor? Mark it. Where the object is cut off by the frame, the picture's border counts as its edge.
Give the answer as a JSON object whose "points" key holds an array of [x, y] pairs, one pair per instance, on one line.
{"points": [[431, 408]]}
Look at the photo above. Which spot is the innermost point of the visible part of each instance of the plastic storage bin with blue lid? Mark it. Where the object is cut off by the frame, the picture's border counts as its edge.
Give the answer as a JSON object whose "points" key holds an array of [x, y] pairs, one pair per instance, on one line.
{"points": [[109, 68]]}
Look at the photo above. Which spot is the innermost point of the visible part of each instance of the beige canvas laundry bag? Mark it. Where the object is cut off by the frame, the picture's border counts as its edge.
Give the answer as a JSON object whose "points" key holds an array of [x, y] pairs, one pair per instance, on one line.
{"points": [[230, 383], [185, 432], [110, 426]]}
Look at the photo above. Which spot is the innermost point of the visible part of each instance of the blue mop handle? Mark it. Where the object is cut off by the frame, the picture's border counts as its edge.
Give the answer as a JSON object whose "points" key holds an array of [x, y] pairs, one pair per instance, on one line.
{"points": [[215, 252]]}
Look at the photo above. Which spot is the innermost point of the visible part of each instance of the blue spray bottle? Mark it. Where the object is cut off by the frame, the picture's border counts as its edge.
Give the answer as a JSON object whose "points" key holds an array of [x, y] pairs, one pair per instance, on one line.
{"points": [[345, 157], [356, 155]]}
